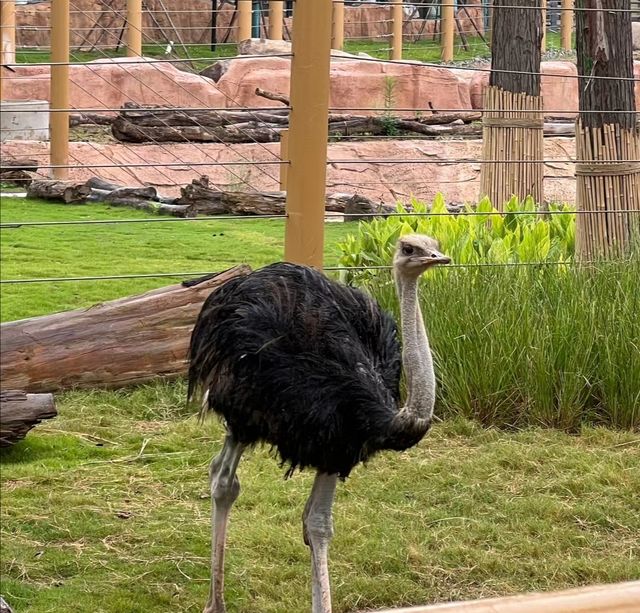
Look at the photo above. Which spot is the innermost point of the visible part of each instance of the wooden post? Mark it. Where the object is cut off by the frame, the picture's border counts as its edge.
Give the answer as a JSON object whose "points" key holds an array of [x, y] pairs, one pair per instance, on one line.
{"points": [[396, 39], [284, 156], [448, 24], [543, 10], [308, 132], [8, 24], [59, 94], [275, 19], [337, 31], [244, 19], [134, 28], [566, 24]]}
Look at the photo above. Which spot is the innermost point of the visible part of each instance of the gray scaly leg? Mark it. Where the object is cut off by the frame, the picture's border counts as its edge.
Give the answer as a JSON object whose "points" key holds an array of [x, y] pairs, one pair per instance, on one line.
{"points": [[225, 488], [318, 530]]}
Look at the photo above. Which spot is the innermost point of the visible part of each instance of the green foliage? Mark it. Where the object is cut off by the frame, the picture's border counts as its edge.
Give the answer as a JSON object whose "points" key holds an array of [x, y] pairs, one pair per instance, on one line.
{"points": [[485, 237], [549, 345]]}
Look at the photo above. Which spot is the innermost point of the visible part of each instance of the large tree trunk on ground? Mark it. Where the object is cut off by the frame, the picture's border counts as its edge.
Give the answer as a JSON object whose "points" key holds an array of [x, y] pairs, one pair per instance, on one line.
{"points": [[607, 138], [513, 119], [209, 201], [64, 191], [19, 412], [114, 344]]}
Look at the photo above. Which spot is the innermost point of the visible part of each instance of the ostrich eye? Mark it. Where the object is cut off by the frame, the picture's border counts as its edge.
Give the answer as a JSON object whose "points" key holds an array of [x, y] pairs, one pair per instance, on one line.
{"points": [[407, 250]]}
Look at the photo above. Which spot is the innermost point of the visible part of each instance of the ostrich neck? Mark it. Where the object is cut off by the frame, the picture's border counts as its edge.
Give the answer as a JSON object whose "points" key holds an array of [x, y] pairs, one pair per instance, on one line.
{"points": [[416, 354]]}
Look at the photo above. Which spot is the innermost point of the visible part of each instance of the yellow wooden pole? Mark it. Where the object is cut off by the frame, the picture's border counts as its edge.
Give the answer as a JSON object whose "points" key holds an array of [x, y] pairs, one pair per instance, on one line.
{"points": [[397, 15], [244, 19], [566, 24], [308, 132], [134, 28], [8, 24], [337, 31], [284, 156], [276, 13], [543, 45], [59, 117], [447, 18]]}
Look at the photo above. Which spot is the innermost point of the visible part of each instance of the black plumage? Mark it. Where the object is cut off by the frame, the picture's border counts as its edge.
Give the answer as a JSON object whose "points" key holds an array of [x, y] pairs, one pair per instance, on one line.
{"points": [[305, 364]]}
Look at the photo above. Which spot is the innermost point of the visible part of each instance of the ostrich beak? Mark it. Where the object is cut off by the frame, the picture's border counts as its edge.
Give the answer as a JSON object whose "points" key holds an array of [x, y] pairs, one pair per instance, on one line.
{"points": [[435, 257]]}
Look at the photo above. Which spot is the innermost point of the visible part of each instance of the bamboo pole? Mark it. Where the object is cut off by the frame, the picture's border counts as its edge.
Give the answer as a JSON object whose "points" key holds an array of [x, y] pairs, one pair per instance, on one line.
{"points": [[275, 19], [337, 30], [308, 132], [397, 16], [59, 93], [448, 29], [134, 28], [614, 598], [244, 19], [543, 11], [566, 24], [284, 156]]}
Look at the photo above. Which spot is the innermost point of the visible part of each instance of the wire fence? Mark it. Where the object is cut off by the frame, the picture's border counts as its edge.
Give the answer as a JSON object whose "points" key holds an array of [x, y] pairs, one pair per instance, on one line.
{"points": [[242, 153]]}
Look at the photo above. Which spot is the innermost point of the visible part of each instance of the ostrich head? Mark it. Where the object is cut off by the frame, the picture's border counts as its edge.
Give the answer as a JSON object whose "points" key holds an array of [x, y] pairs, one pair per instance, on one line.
{"points": [[415, 253]]}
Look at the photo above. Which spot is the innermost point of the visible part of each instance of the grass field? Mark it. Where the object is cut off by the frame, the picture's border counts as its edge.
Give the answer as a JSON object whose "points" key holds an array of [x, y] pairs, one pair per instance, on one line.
{"points": [[105, 509], [202, 55], [138, 248]]}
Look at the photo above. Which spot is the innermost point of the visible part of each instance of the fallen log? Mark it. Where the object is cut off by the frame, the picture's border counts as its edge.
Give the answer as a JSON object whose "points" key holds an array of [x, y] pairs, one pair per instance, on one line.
{"points": [[208, 201], [64, 191], [18, 170], [19, 412], [133, 198], [92, 119], [114, 344], [99, 183]]}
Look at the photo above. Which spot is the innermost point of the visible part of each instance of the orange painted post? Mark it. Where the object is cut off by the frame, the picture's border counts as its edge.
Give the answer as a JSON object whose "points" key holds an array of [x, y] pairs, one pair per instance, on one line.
{"points": [[308, 132], [284, 156], [134, 28], [276, 13], [448, 24], [244, 19], [566, 24], [337, 31], [397, 16], [59, 94], [8, 24]]}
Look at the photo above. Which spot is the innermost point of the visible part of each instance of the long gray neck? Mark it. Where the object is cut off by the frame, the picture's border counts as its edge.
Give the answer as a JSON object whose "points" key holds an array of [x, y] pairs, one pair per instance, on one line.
{"points": [[416, 359]]}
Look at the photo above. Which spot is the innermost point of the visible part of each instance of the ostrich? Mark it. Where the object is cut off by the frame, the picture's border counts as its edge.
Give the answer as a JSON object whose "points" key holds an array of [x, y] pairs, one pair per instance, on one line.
{"points": [[312, 367]]}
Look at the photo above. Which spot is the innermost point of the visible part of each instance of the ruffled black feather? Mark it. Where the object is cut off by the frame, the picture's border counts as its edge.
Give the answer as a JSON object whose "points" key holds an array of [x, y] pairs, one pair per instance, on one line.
{"points": [[293, 359]]}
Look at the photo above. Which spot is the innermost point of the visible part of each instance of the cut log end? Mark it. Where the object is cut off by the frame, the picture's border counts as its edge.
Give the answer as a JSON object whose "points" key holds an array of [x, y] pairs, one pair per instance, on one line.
{"points": [[20, 412]]}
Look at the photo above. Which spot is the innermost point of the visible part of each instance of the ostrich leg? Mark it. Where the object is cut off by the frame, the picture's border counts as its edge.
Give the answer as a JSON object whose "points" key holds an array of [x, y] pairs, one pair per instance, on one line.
{"points": [[225, 488], [318, 530]]}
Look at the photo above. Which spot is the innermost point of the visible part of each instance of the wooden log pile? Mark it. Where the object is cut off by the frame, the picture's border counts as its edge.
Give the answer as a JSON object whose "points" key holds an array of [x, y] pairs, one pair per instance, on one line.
{"points": [[117, 343], [145, 124], [19, 412], [206, 200]]}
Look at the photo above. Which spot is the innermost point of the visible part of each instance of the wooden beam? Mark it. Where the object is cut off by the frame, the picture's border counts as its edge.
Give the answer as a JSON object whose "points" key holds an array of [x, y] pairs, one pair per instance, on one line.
{"points": [[614, 598]]}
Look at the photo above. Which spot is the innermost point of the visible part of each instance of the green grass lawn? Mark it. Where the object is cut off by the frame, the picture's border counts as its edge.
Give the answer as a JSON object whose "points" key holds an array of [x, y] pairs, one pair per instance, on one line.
{"points": [[137, 248], [202, 55], [107, 507]]}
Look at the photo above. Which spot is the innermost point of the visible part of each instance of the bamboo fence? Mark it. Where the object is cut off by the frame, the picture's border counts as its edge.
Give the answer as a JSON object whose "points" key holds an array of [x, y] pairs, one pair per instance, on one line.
{"points": [[608, 189], [513, 144]]}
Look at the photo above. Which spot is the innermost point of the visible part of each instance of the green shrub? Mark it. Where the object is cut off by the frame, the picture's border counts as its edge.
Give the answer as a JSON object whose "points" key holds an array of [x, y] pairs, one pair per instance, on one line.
{"points": [[534, 345], [519, 235]]}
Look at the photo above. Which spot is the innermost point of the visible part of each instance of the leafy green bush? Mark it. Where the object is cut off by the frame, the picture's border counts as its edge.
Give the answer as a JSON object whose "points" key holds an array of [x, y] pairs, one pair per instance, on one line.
{"points": [[518, 235], [534, 345]]}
